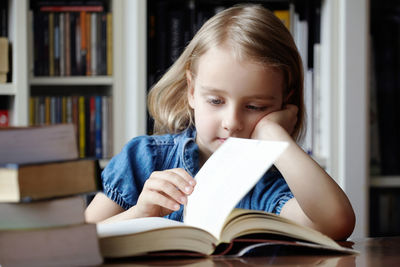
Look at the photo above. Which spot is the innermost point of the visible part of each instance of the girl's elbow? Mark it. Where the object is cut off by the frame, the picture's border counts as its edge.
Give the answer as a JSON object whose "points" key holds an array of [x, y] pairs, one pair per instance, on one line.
{"points": [[343, 225]]}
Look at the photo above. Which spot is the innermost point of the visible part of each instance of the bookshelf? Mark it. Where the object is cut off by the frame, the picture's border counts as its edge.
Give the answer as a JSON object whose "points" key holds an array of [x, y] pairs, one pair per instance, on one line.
{"points": [[17, 89], [384, 112], [25, 84]]}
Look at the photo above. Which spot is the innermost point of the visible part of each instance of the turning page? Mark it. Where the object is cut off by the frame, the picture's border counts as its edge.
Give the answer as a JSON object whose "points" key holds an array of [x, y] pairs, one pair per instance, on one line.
{"points": [[225, 179]]}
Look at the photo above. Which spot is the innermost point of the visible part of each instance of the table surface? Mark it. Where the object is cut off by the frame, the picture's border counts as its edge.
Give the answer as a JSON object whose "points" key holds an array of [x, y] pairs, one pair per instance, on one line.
{"points": [[383, 251]]}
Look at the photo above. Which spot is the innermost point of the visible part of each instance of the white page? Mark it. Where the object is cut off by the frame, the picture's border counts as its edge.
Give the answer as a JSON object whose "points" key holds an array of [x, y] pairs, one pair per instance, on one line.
{"points": [[133, 226], [225, 179]]}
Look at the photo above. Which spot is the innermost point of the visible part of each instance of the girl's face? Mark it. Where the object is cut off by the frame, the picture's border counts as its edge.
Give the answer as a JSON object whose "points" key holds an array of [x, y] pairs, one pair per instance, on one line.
{"points": [[229, 97]]}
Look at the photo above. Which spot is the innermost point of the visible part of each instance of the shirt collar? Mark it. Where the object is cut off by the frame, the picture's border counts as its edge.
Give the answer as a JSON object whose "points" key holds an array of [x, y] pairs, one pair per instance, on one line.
{"points": [[190, 151]]}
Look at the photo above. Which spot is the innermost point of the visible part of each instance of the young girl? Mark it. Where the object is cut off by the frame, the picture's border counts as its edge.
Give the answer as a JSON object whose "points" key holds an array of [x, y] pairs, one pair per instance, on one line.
{"points": [[240, 76]]}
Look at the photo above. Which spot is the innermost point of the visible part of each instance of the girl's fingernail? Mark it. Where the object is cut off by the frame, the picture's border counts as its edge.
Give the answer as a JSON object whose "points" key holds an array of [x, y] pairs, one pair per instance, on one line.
{"points": [[187, 189]]}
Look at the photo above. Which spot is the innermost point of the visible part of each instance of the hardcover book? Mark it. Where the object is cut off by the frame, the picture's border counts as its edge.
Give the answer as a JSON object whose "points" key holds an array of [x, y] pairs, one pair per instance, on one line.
{"points": [[27, 182], [211, 224]]}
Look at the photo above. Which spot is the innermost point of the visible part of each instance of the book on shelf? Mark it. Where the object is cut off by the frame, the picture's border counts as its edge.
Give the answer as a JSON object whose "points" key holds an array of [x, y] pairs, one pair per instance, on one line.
{"points": [[33, 181], [66, 36], [52, 212], [4, 113], [35, 144], [72, 245], [4, 68], [211, 225], [4, 18], [89, 114], [284, 16]]}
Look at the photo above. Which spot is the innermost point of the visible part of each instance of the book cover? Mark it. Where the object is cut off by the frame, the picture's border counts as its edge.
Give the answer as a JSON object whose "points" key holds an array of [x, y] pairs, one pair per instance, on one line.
{"points": [[34, 181], [23, 145], [46, 213], [74, 245]]}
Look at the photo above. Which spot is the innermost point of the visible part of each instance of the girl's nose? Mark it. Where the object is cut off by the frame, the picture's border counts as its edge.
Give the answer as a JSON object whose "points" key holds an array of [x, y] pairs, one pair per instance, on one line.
{"points": [[232, 121]]}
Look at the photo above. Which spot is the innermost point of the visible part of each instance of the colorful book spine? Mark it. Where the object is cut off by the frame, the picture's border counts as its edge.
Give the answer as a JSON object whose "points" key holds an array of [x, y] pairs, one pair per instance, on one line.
{"points": [[98, 128], [82, 127]]}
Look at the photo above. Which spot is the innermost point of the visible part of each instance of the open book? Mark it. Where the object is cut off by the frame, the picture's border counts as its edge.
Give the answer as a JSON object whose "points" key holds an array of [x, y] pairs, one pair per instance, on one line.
{"points": [[210, 220]]}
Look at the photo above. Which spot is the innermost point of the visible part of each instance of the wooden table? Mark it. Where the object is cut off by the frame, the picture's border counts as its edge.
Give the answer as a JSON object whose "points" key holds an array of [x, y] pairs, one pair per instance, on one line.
{"points": [[373, 252]]}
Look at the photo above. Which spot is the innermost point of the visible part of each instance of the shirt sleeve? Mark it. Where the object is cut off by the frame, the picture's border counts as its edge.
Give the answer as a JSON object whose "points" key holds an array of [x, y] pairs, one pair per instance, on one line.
{"points": [[270, 194], [124, 176]]}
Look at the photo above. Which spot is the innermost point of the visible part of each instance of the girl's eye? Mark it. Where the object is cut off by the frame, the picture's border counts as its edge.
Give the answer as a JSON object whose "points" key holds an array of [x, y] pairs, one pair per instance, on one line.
{"points": [[256, 108], [214, 101]]}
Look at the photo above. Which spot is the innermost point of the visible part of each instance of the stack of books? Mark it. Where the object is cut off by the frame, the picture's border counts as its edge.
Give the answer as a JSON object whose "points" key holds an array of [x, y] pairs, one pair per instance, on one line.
{"points": [[43, 184]]}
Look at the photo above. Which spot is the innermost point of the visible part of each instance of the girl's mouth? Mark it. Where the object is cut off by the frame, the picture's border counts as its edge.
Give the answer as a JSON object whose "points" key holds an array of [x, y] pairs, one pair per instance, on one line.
{"points": [[221, 140]]}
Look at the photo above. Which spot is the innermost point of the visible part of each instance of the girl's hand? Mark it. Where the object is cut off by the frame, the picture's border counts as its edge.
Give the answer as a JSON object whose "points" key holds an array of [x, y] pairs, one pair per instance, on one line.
{"points": [[268, 126], [163, 193]]}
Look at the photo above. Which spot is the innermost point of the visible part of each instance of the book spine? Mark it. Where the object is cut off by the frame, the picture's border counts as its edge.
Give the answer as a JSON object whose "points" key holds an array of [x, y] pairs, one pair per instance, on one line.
{"points": [[64, 109], [31, 111], [67, 45], [62, 44], [51, 44], [4, 18], [53, 110], [69, 109], [57, 44], [93, 39], [78, 43], [38, 39], [109, 44], [88, 44], [83, 42], [72, 17], [98, 128], [82, 128], [103, 44], [104, 129], [75, 118], [92, 125], [47, 109]]}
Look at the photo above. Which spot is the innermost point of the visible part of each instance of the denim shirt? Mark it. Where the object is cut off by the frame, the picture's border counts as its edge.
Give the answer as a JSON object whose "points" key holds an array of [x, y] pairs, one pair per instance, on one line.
{"points": [[124, 176]]}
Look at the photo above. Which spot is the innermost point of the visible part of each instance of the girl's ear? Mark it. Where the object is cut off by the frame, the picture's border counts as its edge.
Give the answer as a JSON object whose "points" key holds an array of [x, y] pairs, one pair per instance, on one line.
{"points": [[190, 91]]}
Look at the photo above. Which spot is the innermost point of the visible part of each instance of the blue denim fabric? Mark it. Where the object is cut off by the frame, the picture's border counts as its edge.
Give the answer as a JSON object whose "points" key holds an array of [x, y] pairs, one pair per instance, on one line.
{"points": [[124, 176]]}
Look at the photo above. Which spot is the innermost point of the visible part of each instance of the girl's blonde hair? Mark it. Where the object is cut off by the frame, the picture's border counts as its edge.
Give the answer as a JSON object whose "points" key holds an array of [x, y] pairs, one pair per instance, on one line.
{"points": [[254, 33]]}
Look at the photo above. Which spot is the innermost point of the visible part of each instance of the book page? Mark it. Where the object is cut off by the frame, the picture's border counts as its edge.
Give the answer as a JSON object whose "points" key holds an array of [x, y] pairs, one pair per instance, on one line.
{"points": [[226, 178], [133, 226]]}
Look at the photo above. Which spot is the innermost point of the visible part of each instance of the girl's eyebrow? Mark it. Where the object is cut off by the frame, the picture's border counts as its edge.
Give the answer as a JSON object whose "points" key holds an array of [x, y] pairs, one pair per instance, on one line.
{"points": [[211, 89]]}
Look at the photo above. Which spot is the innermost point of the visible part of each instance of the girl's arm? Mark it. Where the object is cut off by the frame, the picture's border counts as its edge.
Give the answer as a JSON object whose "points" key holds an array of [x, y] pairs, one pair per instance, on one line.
{"points": [[101, 208], [319, 202], [162, 194]]}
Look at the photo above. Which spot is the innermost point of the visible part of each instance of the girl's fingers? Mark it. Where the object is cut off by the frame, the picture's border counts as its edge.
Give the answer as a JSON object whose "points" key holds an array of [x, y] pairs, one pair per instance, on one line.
{"points": [[159, 199], [177, 177], [166, 188]]}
